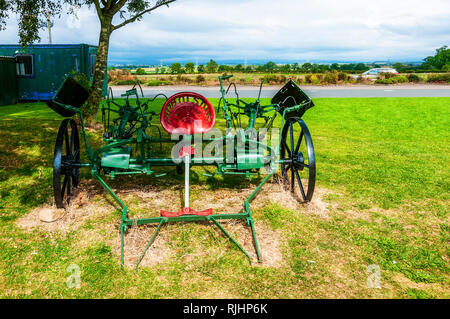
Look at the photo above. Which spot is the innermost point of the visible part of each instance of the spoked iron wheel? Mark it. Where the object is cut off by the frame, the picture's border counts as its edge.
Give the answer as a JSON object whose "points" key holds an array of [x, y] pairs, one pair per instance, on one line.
{"points": [[298, 168], [67, 154]]}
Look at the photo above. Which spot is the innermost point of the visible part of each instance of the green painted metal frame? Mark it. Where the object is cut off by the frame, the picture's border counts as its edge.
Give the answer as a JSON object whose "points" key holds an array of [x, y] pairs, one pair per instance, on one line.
{"points": [[144, 164]]}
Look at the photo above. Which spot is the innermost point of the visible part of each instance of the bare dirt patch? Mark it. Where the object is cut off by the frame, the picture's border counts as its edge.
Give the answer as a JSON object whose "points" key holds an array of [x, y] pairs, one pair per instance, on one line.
{"points": [[90, 201], [275, 193], [135, 241], [80, 209]]}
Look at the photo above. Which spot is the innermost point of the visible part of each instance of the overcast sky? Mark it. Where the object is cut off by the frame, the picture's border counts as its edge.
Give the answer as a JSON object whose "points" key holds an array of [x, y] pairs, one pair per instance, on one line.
{"points": [[282, 31]]}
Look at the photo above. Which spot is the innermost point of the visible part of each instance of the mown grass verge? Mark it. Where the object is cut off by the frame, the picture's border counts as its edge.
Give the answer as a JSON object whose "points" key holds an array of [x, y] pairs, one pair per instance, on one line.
{"points": [[383, 162]]}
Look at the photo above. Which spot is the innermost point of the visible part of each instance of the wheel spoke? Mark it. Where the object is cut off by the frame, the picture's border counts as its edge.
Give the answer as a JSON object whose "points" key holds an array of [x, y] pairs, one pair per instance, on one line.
{"points": [[299, 142], [291, 129], [300, 184], [287, 147], [302, 165], [75, 154]]}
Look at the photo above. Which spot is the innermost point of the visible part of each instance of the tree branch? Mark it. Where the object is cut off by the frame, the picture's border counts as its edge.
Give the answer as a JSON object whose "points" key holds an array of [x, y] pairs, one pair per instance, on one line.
{"points": [[98, 9], [116, 6], [137, 16]]}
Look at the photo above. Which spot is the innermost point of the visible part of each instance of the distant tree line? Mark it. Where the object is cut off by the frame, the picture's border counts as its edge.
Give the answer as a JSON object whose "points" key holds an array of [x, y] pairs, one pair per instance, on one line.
{"points": [[440, 62], [269, 67]]}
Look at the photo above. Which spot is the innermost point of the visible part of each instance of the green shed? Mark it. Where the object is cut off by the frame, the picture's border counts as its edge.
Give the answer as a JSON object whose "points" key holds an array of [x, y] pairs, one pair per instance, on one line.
{"points": [[41, 69], [8, 81]]}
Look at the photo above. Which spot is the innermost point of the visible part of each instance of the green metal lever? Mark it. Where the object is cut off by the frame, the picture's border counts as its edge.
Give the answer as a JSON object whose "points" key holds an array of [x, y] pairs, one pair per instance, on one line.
{"points": [[225, 77], [130, 92]]}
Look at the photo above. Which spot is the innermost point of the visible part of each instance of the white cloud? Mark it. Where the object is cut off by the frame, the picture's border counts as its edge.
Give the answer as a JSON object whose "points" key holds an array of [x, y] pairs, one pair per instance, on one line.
{"points": [[276, 30]]}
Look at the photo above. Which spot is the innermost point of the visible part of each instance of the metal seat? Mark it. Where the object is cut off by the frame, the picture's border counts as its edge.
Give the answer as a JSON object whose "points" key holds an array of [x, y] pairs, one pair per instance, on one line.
{"points": [[187, 113]]}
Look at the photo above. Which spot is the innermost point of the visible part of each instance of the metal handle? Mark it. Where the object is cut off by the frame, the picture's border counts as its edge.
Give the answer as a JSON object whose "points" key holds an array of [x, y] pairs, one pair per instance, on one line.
{"points": [[225, 77]]}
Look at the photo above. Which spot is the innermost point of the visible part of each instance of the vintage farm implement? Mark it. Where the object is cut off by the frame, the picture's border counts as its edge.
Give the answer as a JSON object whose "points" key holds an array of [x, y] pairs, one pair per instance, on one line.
{"points": [[244, 149]]}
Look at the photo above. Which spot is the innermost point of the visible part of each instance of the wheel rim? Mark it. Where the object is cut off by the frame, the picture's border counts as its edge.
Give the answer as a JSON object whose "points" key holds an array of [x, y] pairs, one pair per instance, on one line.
{"points": [[298, 166], [67, 154]]}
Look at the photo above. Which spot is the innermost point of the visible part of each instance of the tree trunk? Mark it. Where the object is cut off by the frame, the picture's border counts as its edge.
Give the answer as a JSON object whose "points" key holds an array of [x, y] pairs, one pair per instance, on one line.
{"points": [[95, 95]]}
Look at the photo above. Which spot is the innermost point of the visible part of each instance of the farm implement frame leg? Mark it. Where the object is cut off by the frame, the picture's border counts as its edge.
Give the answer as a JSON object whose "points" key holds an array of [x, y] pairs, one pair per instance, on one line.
{"points": [[160, 221]]}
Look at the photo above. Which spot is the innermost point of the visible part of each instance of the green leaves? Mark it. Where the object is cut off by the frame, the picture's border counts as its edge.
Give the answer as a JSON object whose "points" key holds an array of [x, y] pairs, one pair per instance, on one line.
{"points": [[441, 60]]}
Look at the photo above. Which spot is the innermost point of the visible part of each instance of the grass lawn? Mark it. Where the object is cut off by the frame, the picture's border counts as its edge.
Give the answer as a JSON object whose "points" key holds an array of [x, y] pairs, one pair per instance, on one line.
{"points": [[383, 188]]}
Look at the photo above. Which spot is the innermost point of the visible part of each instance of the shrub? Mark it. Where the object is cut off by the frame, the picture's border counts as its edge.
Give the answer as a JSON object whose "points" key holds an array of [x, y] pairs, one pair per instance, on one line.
{"points": [[179, 78], [384, 81], [331, 78], [342, 76], [400, 79], [282, 79], [127, 82], [360, 79], [319, 78], [413, 78], [159, 83], [314, 79], [308, 78], [387, 75], [140, 71], [119, 75], [270, 78], [439, 78], [200, 78]]}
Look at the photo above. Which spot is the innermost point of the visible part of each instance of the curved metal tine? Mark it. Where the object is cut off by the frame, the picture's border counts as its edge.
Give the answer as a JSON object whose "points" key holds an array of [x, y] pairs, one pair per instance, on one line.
{"points": [[235, 91], [232, 119], [160, 135], [112, 94], [237, 102], [260, 89], [300, 183], [134, 86], [155, 97], [140, 87], [229, 86], [264, 129], [289, 97]]}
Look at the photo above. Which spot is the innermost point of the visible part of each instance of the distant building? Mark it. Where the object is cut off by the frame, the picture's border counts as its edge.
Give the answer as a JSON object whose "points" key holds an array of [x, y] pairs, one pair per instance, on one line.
{"points": [[41, 69]]}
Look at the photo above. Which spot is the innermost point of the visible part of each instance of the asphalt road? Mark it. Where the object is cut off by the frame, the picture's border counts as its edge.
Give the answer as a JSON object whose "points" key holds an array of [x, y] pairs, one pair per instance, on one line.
{"points": [[362, 91]]}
